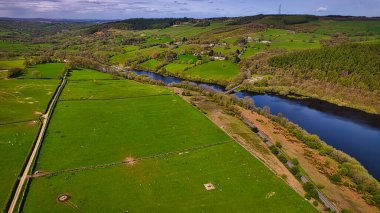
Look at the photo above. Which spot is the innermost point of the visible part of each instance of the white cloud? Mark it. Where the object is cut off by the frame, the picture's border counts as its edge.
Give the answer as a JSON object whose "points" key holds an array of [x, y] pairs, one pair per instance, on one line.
{"points": [[321, 9]]}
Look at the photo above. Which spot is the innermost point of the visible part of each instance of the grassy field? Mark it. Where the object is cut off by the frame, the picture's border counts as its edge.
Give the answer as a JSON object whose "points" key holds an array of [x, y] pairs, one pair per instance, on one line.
{"points": [[48, 70], [88, 74], [349, 27], [22, 101], [7, 64], [12, 46], [187, 58], [158, 40], [145, 121], [176, 68], [252, 49], [214, 70], [150, 64], [290, 40], [226, 51]]}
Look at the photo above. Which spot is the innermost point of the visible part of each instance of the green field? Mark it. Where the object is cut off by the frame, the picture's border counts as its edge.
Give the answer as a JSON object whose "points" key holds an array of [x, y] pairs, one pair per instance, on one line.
{"points": [[176, 68], [87, 74], [150, 64], [158, 40], [214, 70], [290, 40], [187, 58], [7, 64], [22, 102], [48, 70], [348, 27], [252, 49], [143, 122]]}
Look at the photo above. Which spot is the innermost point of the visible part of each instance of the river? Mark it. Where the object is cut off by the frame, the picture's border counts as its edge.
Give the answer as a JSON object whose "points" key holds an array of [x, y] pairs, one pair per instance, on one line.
{"points": [[352, 131]]}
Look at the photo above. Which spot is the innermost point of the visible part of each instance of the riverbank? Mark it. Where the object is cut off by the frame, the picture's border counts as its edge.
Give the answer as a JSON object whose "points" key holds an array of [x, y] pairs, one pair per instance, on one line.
{"points": [[293, 92], [298, 93]]}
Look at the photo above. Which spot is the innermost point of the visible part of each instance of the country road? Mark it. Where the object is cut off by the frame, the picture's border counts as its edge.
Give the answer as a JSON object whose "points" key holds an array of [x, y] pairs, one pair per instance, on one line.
{"points": [[36, 147]]}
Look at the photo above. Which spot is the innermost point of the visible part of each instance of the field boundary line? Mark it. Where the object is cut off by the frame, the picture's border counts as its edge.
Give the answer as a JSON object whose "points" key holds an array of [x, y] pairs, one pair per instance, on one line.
{"points": [[107, 165], [16, 122], [110, 99], [95, 79]]}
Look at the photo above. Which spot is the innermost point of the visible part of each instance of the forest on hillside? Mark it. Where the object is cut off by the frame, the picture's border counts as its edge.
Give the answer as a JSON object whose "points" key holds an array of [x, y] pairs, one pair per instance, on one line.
{"points": [[352, 65]]}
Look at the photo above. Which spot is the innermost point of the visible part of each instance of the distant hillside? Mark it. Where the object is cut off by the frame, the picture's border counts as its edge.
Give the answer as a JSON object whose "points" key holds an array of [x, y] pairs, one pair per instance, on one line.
{"points": [[354, 65], [12, 28], [143, 24]]}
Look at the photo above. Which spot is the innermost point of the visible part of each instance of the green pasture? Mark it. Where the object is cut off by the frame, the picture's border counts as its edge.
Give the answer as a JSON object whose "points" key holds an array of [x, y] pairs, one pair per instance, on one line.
{"points": [[290, 40], [252, 49], [12, 46], [15, 142], [187, 58], [7, 64], [189, 30], [150, 64], [348, 27], [214, 70], [158, 40], [22, 101], [170, 184], [48, 70], [176, 68], [227, 50], [129, 48], [125, 120], [88, 74], [133, 55]]}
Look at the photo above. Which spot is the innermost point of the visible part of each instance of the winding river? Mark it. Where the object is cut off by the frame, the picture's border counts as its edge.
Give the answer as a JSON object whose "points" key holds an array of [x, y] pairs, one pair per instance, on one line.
{"points": [[354, 132]]}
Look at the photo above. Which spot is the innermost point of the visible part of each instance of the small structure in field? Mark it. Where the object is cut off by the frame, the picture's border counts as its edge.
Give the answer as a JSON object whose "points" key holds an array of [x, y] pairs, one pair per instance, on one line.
{"points": [[209, 186], [63, 198]]}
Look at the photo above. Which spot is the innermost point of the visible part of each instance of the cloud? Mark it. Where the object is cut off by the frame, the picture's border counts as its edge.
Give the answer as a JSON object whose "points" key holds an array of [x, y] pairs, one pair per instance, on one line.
{"points": [[321, 9]]}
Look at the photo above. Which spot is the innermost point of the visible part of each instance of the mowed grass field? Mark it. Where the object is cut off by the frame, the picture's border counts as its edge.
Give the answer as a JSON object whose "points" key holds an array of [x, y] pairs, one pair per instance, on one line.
{"points": [[122, 120], [7, 64], [214, 70], [48, 70], [22, 101]]}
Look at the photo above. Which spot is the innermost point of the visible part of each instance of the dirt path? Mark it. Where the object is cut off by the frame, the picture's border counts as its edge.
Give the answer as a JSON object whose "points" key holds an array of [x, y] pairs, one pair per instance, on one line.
{"points": [[37, 145]]}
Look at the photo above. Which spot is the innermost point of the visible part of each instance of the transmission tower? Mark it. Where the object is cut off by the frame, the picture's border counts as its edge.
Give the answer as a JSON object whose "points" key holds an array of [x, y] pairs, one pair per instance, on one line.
{"points": [[279, 9]]}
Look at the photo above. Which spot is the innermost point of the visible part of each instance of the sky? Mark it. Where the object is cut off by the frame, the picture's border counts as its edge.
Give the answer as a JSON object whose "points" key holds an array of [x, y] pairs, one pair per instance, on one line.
{"points": [[123, 9]]}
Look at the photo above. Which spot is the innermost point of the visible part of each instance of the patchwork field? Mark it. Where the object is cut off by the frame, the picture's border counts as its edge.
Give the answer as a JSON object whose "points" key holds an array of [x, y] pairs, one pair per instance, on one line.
{"points": [[49, 70], [22, 101], [214, 70], [153, 151], [7, 64]]}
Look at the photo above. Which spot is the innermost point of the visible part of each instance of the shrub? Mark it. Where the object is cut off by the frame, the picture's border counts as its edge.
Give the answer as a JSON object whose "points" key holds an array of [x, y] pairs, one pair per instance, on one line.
{"points": [[310, 190], [282, 158], [15, 72], [294, 170], [278, 144], [335, 178]]}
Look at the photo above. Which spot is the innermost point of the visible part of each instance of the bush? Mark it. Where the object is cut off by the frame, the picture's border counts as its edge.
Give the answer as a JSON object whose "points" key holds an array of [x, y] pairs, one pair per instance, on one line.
{"points": [[274, 150], [15, 72], [315, 203], [282, 158], [294, 170], [335, 178], [310, 190], [278, 144]]}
